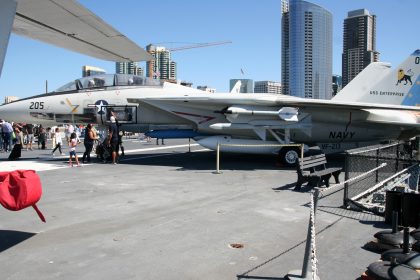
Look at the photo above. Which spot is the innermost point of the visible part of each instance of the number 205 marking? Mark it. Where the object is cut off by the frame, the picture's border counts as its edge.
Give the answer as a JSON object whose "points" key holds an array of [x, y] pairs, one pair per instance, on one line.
{"points": [[36, 105], [417, 60]]}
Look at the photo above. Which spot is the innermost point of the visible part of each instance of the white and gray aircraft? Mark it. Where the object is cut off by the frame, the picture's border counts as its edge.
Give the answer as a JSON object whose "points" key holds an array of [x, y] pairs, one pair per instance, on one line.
{"points": [[379, 104]]}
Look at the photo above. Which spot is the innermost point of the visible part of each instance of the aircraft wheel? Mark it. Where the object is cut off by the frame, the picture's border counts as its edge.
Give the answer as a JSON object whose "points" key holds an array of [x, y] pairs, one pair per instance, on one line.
{"points": [[289, 156]]}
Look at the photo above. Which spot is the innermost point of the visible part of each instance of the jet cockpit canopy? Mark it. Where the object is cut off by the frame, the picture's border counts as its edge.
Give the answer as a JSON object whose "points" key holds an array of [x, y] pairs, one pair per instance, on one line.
{"points": [[108, 80]]}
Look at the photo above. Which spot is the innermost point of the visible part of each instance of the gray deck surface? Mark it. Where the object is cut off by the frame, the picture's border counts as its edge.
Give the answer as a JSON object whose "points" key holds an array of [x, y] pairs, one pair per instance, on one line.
{"points": [[164, 214]]}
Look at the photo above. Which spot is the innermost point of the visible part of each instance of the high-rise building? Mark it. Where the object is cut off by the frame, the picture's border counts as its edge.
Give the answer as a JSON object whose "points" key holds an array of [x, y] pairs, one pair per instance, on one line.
{"points": [[162, 67], [128, 68], [285, 47], [267, 87], [306, 50], [359, 43], [247, 85], [91, 70]]}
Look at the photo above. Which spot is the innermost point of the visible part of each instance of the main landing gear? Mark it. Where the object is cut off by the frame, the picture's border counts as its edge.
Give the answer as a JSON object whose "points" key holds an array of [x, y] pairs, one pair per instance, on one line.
{"points": [[289, 156]]}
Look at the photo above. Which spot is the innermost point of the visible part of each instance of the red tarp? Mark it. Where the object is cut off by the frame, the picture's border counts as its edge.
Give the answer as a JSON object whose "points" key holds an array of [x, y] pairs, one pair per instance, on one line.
{"points": [[20, 189]]}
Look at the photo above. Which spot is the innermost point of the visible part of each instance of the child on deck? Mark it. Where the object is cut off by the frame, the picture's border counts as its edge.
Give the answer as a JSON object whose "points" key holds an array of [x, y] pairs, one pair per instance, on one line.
{"points": [[58, 141], [72, 146]]}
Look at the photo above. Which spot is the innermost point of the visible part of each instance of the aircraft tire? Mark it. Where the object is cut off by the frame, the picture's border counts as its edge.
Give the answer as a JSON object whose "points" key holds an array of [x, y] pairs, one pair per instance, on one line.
{"points": [[289, 156]]}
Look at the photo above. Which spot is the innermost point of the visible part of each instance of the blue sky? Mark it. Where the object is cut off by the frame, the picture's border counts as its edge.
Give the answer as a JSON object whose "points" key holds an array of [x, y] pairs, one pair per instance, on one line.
{"points": [[252, 25]]}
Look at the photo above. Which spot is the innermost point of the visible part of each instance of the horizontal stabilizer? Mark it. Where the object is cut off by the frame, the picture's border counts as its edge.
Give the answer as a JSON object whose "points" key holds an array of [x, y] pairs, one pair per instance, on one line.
{"points": [[390, 117]]}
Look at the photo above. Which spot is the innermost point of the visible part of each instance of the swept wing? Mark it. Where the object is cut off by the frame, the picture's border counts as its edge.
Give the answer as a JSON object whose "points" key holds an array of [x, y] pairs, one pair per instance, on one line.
{"points": [[67, 24]]}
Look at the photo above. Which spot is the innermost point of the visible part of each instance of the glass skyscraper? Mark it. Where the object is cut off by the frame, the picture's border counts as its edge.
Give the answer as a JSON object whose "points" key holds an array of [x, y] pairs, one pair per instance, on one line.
{"points": [[359, 43], [306, 50]]}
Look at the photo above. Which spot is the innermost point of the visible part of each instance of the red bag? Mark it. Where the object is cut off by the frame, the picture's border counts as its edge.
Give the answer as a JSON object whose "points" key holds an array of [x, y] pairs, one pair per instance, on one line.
{"points": [[20, 189]]}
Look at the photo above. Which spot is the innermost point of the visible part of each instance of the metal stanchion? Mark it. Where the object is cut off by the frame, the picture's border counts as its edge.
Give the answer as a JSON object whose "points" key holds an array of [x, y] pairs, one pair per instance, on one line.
{"points": [[217, 159], [301, 150], [346, 178]]}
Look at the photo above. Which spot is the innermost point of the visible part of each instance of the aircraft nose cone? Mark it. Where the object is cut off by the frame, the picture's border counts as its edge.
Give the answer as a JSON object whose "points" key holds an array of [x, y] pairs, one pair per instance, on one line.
{"points": [[13, 112]]}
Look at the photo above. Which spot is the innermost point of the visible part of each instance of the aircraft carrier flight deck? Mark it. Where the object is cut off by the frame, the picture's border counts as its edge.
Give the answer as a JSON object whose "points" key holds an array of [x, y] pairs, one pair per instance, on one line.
{"points": [[164, 213]]}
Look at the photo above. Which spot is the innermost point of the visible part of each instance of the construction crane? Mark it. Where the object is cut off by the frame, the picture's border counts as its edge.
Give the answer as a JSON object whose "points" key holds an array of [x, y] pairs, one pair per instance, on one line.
{"points": [[198, 45]]}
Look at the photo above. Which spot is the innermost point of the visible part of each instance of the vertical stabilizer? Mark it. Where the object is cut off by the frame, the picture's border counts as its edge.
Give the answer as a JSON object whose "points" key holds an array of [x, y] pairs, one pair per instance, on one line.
{"points": [[7, 15], [237, 87], [378, 84]]}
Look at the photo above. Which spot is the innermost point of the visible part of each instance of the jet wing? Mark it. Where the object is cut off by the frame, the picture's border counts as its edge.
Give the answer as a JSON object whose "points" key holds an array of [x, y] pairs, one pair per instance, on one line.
{"points": [[271, 105], [330, 104], [67, 24], [392, 115], [274, 101]]}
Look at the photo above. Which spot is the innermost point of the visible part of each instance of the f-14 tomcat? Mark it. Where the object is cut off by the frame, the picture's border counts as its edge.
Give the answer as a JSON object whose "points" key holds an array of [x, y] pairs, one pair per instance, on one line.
{"points": [[379, 104], [361, 112]]}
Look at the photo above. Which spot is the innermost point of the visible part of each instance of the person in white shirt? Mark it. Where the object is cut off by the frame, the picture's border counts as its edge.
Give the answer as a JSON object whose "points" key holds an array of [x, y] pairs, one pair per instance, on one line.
{"points": [[58, 141], [69, 131]]}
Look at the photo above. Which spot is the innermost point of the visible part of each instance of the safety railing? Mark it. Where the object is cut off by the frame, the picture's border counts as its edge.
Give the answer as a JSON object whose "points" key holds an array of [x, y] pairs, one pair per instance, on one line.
{"points": [[310, 261], [398, 156], [373, 199]]}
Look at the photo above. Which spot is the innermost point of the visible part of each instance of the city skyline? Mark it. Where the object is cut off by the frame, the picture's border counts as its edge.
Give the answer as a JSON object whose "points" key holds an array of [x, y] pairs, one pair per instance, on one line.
{"points": [[254, 29]]}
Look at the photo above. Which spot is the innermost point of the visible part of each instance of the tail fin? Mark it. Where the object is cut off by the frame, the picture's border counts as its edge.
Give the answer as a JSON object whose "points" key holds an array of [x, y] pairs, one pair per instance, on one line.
{"points": [[377, 83], [237, 87]]}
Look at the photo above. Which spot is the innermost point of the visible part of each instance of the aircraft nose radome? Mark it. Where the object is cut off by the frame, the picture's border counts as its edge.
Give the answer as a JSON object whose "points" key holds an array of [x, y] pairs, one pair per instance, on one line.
{"points": [[5, 112], [11, 112]]}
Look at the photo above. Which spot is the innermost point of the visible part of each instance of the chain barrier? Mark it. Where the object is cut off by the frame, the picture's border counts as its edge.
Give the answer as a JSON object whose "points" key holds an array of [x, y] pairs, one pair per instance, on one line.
{"points": [[379, 165], [310, 250], [314, 259]]}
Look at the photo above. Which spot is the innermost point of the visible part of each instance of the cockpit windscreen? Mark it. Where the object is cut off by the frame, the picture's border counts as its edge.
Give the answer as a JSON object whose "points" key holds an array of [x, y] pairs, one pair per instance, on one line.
{"points": [[108, 80]]}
